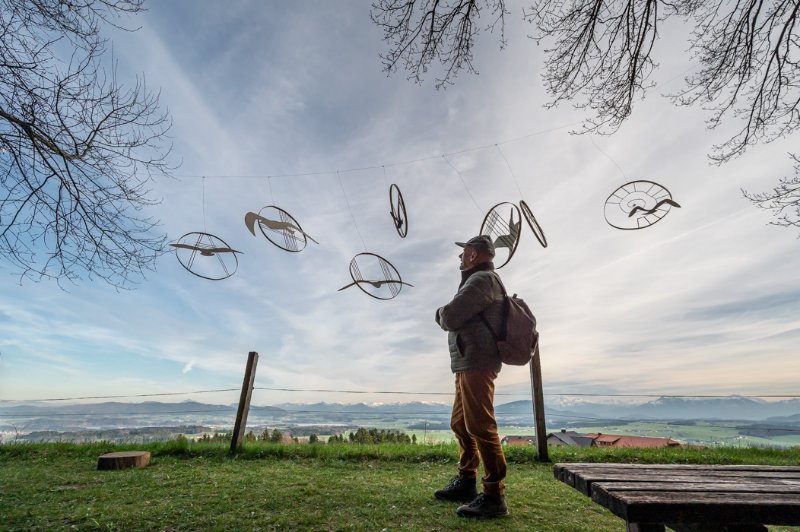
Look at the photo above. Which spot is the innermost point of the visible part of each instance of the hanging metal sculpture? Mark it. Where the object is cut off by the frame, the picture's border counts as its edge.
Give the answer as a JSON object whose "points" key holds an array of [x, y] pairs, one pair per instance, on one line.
{"points": [[218, 260], [279, 227], [382, 280], [503, 234], [398, 212], [532, 223], [637, 205]]}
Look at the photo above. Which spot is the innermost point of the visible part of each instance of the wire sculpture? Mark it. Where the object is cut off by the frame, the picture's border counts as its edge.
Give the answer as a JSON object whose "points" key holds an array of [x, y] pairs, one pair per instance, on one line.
{"points": [[383, 277], [637, 205], [503, 234], [285, 232], [532, 223], [191, 245], [398, 206]]}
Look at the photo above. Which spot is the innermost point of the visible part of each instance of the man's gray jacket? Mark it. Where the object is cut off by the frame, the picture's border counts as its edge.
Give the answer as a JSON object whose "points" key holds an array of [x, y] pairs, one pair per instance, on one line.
{"points": [[472, 345]]}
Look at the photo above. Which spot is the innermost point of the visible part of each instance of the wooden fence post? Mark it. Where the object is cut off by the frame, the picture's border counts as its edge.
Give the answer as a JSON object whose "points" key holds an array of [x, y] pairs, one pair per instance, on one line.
{"points": [[537, 399], [244, 401]]}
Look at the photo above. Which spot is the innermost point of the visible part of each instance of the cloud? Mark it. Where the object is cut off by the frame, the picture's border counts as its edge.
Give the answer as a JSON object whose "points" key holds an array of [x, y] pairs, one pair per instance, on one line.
{"points": [[755, 307], [298, 89]]}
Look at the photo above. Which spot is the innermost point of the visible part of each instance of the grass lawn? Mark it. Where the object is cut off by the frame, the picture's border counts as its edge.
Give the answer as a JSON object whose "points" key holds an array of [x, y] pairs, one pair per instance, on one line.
{"points": [[301, 487]]}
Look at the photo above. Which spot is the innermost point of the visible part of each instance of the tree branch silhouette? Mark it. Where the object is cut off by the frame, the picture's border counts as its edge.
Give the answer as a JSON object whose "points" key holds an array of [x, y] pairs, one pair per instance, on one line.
{"points": [[77, 149], [600, 56]]}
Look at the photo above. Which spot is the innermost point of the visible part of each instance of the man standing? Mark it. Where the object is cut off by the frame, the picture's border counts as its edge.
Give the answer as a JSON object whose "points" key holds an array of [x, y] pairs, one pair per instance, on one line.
{"points": [[475, 362]]}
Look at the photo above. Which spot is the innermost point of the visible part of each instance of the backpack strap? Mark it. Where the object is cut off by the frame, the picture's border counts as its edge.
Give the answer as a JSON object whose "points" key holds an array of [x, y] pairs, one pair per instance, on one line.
{"points": [[504, 301], [489, 326]]}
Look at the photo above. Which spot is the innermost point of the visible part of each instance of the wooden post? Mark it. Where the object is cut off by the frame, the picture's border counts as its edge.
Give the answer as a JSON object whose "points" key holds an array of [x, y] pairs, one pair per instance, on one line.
{"points": [[244, 401], [537, 399]]}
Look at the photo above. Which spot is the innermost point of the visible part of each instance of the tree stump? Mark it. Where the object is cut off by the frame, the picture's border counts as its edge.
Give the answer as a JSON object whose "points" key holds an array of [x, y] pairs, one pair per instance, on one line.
{"points": [[123, 460]]}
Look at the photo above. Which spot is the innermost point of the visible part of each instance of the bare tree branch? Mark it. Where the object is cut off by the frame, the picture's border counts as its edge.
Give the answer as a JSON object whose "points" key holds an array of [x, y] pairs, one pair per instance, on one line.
{"points": [[600, 57], [783, 200], [421, 32], [77, 150], [749, 69]]}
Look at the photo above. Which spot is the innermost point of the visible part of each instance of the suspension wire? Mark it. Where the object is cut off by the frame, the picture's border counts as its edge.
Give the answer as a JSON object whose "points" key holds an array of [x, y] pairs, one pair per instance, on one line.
{"points": [[621, 171], [385, 179], [205, 229], [510, 170], [349, 208], [400, 392], [271, 195], [552, 394], [464, 183], [134, 395], [391, 164]]}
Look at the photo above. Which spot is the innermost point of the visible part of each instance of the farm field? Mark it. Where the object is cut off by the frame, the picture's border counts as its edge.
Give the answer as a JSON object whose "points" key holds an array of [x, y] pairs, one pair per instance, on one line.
{"points": [[693, 433]]}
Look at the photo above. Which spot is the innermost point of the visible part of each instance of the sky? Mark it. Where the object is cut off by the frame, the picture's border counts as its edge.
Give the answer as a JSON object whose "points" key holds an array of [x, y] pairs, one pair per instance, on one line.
{"points": [[706, 301]]}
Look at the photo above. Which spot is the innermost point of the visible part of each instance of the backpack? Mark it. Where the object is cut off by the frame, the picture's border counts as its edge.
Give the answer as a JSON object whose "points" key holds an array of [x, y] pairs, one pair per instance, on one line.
{"points": [[517, 337]]}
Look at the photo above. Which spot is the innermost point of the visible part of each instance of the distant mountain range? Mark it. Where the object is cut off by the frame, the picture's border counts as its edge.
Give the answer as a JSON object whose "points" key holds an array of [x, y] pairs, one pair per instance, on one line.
{"points": [[664, 408]]}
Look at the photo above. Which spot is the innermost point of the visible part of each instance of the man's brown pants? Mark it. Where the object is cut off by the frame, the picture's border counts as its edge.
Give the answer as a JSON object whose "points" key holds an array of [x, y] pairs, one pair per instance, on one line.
{"points": [[475, 428]]}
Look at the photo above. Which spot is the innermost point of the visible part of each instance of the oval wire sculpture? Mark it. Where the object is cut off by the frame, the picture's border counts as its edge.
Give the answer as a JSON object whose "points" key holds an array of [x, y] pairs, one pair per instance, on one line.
{"points": [[503, 234], [390, 277], [637, 205], [532, 223], [206, 245], [398, 206], [285, 232]]}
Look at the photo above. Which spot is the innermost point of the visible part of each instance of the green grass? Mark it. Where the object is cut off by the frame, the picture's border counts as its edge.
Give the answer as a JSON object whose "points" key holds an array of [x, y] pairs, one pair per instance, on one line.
{"points": [[191, 486]]}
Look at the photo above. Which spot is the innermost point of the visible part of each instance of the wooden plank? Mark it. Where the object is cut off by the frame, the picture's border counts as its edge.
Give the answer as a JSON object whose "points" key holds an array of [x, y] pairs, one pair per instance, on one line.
{"points": [[773, 486], [694, 507], [737, 467], [564, 474], [568, 473], [645, 473], [584, 484], [583, 480]]}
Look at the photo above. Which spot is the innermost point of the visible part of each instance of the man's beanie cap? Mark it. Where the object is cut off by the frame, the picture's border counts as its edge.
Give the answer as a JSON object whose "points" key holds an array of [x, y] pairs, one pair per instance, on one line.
{"points": [[481, 242]]}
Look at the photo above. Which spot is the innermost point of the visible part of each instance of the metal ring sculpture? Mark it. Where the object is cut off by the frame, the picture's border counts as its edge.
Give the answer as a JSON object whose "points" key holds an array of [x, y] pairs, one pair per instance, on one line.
{"points": [[637, 205], [532, 223], [503, 234], [284, 232], [206, 245], [385, 278], [398, 206]]}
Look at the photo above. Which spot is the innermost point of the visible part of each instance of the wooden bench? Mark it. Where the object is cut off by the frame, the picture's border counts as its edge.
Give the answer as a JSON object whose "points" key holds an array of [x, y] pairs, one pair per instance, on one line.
{"points": [[690, 497]]}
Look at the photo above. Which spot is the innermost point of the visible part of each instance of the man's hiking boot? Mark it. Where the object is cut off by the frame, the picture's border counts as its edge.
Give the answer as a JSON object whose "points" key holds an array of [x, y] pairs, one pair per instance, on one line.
{"points": [[460, 489], [484, 506]]}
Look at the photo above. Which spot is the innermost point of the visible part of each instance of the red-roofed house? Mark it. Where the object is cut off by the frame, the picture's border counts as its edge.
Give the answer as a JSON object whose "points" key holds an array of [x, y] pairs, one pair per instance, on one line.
{"points": [[616, 440]]}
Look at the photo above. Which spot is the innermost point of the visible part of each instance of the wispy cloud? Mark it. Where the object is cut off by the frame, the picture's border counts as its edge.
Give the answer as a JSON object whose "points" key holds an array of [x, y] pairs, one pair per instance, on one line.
{"points": [[284, 89]]}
